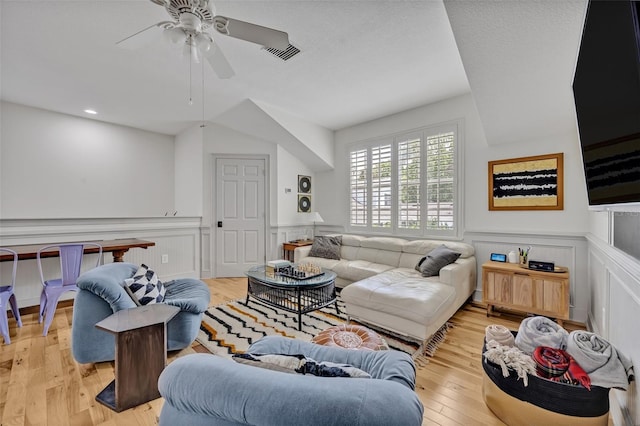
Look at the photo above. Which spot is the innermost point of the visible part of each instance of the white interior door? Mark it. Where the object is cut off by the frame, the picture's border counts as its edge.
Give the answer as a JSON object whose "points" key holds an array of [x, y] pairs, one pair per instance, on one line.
{"points": [[240, 215]]}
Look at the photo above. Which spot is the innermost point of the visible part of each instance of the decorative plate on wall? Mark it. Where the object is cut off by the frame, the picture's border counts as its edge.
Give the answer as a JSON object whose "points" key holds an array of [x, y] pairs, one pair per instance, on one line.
{"points": [[304, 203], [304, 184]]}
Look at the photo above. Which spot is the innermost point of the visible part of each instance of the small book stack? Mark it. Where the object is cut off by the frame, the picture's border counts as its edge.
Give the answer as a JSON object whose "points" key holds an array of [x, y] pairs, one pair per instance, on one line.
{"points": [[274, 266]]}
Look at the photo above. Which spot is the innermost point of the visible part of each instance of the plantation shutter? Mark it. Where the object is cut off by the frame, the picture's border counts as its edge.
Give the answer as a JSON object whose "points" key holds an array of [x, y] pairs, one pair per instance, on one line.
{"points": [[381, 186], [358, 183], [440, 181], [406, 184], [409, 183]]}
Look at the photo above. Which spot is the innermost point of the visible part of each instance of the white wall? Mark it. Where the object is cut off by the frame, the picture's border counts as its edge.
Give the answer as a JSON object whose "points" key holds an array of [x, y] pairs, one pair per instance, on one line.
{"points": [[289, 167], [60, 166], [177, 238], [189, 165], [284, 221], [333, 192], [614, 289]]}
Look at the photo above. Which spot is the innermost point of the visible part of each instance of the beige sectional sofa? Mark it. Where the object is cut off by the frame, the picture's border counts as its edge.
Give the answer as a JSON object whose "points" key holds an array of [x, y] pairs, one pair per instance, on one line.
{"points": [[381, 287]]}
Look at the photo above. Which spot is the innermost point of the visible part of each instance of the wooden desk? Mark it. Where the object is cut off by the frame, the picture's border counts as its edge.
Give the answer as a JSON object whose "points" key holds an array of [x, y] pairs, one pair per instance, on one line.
{"points": [[289, 247], [117, 247], [141, 354]]}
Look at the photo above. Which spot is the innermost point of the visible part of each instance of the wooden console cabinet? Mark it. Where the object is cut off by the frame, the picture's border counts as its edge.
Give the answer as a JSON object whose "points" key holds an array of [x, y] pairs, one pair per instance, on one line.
{"points": [[512, 286]]}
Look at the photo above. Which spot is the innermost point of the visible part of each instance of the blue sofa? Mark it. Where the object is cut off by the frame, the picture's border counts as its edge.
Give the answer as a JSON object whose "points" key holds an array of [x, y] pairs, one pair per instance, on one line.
{"points": [[202, 389], [102, 293]]}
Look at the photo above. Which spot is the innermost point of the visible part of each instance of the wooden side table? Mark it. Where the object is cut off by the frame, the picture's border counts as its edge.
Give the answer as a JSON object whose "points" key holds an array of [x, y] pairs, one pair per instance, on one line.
{"points": [[141, 354], [288, 248], [514, 287]]}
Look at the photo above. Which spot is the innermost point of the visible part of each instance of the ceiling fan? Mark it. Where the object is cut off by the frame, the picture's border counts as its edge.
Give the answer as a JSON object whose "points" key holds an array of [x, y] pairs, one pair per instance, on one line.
{"points": [[191, 21]]}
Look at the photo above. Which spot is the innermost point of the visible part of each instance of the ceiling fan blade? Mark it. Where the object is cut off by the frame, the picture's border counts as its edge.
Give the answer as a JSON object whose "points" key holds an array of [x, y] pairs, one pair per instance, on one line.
{"points": [[140, 39], [264, 36], [219, 63]]}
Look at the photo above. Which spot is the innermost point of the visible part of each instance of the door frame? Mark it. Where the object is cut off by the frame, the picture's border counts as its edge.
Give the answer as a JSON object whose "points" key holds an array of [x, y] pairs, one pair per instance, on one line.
{"points": [[210, 200]]}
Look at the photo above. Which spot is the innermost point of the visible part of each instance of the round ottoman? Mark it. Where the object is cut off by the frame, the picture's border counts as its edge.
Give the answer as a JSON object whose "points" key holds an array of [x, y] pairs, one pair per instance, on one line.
{"points": [[351, 336]]}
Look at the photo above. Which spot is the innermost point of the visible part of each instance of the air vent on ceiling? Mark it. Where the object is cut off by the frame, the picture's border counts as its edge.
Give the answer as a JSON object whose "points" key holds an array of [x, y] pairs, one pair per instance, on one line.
{"points": [[285, 54]]}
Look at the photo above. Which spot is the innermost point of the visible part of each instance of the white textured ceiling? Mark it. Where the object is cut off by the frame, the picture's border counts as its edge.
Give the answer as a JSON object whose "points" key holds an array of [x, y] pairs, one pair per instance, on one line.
{"points": [[519, 57], [360, 60]]}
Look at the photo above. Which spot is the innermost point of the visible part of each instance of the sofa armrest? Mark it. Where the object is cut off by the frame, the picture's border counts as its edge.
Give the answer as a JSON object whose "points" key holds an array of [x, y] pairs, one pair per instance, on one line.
{"points": [[461, 270], [231, 393], [107, 282], [300, 253]]}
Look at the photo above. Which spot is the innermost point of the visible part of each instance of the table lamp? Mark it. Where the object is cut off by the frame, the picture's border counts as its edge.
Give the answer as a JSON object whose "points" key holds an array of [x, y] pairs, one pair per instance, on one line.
{"points": [[316, 218]]}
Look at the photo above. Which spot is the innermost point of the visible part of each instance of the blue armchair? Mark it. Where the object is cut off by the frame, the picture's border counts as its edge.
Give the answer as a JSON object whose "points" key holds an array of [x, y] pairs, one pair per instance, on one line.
{"points": [[102, 293], [202, 389]]}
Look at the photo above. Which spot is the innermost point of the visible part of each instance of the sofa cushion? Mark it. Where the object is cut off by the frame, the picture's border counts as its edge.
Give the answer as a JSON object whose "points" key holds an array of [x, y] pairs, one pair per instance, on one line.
{"points": [[351, 240], [422, 247], [437, 259], [416, 299], [330, 264], [384, 243], [326, 247], [356, 270]]}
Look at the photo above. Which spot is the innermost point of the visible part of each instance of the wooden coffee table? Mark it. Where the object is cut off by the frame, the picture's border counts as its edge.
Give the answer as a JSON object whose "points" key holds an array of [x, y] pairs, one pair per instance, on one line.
{"points": [[292, 295], [141, 354]]}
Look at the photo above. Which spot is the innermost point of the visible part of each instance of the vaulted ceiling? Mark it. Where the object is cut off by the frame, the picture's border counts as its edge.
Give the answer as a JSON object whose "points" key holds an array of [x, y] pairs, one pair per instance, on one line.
{"points": [[360, 60]]}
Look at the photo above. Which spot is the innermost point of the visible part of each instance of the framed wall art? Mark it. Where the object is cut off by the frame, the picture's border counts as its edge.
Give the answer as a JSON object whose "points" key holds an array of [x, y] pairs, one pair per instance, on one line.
{"points": [[527, 183]]}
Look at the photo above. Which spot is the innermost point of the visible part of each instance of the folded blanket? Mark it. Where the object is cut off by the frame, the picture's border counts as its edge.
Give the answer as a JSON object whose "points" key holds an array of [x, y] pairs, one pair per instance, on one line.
{"points": [[500, 334], [510, 358], [540, 331], [550, 362], [606, 366]]}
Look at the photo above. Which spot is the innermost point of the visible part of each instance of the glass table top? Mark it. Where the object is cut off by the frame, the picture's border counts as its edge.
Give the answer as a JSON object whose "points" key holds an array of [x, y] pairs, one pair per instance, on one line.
{"points": [[259, 273]]}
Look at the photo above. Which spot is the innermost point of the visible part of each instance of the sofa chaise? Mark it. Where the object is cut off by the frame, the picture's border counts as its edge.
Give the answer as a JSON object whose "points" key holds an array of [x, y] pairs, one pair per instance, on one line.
{"points": [[381, 286], [203, 389], [101, 293]]}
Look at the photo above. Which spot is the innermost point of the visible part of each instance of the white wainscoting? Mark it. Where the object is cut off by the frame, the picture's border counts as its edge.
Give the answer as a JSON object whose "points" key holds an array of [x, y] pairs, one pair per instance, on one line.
{"points": [[177, 237], [283, 233], [563, 250], [614, 280]]}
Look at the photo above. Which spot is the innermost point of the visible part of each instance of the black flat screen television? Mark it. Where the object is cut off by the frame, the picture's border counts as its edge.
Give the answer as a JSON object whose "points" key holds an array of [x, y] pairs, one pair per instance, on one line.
{"points": [[606, 89]]}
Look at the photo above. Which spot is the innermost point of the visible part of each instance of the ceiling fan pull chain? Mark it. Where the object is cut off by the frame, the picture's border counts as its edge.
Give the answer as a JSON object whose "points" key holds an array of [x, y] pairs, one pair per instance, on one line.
{"points": [[202, 124], [190, 73]]}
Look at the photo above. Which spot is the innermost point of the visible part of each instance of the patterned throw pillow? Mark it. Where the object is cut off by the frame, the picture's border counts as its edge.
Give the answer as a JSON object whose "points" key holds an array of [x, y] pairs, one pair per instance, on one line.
{"points": [[276, 362], [326, 247], [145, 288], [300, 364], [437, 259]]}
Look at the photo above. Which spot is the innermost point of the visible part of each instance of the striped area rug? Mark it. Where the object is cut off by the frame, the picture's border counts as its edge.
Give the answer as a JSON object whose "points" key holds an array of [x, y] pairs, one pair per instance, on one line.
{"points": [[231, 327]]}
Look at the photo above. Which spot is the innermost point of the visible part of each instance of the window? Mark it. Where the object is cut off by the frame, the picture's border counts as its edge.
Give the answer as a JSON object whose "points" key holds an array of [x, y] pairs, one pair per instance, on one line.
{"points": [[406, 183]]}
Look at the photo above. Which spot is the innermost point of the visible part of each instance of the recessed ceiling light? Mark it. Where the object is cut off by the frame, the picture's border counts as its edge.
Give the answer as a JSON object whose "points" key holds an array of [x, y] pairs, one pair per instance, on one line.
{"points": [[90, 111]]}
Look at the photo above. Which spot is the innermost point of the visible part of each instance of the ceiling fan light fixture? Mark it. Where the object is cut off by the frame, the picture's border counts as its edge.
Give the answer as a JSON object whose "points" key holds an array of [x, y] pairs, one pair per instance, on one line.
{"points": [[194, 54], [175, 35], [203, 42]]}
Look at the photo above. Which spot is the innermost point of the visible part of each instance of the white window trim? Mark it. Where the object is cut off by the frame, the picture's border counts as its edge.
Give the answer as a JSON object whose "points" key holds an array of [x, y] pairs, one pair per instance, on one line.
{"points": [[458, 127]]}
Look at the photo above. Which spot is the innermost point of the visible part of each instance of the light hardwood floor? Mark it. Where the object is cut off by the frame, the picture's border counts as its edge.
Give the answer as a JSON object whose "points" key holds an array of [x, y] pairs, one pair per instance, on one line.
{"points": [[41, 384]]}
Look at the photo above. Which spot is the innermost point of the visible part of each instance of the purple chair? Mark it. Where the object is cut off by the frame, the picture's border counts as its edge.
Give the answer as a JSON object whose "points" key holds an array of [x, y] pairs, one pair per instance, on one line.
{"points": [[6, 295], [70, 262]]}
